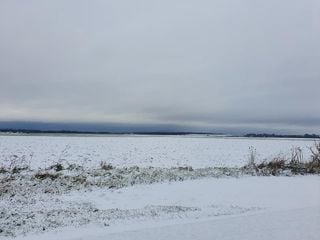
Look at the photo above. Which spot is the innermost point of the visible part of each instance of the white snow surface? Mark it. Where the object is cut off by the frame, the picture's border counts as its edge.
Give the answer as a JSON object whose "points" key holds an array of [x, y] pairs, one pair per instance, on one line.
{"points": [[156, 151], [243, 207], [225, 208]]}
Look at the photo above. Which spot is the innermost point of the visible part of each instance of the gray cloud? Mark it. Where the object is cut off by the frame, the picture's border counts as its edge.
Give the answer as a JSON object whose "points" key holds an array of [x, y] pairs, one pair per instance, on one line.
{"points": [[202, 64]]}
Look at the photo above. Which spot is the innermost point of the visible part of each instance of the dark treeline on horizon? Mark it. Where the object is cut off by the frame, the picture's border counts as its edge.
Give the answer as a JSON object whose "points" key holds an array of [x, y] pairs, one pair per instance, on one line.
{"points": [[266, 135], [31, 131], [250, 135]]}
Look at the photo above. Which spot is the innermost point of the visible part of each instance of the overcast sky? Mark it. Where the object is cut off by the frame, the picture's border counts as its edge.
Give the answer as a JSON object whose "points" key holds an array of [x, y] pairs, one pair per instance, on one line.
{"points": [[202, 64]]}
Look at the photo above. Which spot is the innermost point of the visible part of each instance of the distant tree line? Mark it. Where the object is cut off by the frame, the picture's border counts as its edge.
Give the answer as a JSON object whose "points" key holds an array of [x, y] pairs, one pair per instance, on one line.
{"points": [[260, 135], [266, 135], [32, 131]]}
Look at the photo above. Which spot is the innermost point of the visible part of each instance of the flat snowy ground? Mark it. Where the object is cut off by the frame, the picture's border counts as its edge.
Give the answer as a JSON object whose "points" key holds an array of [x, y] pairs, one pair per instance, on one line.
{"points": [[223, 208], [156, 151], [293, 225]]}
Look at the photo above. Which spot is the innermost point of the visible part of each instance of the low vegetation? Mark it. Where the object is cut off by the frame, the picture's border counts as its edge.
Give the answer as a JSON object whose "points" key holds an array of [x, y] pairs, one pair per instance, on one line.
{"points": [[63, 177], [283, 165], [59, 178]]}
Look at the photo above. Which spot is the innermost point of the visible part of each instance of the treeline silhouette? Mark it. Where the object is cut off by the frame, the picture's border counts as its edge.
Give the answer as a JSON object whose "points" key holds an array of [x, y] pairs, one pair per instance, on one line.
{"points": [[266, 135], [32, 131]]}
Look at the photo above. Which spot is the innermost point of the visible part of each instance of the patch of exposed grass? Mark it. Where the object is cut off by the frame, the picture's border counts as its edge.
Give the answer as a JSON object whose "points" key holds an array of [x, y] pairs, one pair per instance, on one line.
{"points": [[46, 175], [105, 166]]}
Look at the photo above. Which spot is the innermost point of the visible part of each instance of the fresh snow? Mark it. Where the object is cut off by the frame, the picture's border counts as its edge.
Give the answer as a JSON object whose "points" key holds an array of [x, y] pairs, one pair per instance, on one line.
{"points": [[294, 225], [156, 151], [208, 206], [224, 208]]}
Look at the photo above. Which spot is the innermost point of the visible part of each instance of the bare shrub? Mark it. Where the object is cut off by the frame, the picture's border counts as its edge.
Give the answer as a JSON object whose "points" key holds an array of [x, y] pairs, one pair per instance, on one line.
{"points": [[293, 164], [14, 164], [315, 151], [252, 156], [296, 155], [63, 154], [105, 166], [273, 167], [276, 166], [251, 166], [313, 166]]}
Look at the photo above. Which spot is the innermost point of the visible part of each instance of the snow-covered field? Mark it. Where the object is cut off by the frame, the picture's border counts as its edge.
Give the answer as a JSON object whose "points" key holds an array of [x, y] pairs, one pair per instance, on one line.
{"points": [[159, 151], [226, 208], [157, 199]]}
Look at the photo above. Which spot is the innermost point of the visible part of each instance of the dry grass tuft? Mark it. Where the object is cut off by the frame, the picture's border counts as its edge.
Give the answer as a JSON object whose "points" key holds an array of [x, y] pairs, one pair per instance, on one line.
{"points": [[105, 166]]}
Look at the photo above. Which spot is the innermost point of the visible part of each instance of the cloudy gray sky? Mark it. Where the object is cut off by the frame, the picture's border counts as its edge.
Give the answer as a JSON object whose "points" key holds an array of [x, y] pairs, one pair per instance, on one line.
{"points": [[202, 64]]}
